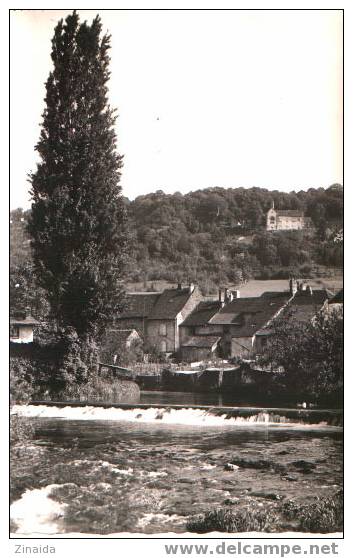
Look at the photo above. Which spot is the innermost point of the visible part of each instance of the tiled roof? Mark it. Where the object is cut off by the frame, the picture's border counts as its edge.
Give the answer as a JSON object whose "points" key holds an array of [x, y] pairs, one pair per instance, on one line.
{"points": [[303, 307], [202, 313], [289, 213], [139, 305], [315, 298], [170, 303], [250, 314], [28, 320], [201, 341]]}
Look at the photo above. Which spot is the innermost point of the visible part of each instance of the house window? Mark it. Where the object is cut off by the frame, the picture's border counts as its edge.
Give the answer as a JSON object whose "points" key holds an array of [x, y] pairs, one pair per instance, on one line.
{"points": [[272, 220], [14, 332], [163, 329], [163, 346], [263, 341]]}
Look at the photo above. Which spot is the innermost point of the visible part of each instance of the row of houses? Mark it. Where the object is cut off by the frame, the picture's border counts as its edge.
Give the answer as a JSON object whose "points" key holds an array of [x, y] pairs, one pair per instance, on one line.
{"points": [[181, 321]]}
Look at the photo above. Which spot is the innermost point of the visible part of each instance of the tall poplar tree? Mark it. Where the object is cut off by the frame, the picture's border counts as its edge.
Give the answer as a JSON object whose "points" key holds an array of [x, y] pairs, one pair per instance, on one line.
{"points": [[78, 220]]}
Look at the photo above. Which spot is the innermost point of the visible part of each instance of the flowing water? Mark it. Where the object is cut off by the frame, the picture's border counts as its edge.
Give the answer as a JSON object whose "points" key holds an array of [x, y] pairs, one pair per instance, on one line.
{"points": [[147, 470]]}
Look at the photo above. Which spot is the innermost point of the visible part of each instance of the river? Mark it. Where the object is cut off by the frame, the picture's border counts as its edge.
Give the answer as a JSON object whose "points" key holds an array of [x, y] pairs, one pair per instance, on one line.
{"points": [[95, 470]]}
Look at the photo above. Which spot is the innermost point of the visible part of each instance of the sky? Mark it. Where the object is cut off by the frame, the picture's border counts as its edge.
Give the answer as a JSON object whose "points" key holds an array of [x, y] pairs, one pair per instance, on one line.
{"points": [[205, 98]]}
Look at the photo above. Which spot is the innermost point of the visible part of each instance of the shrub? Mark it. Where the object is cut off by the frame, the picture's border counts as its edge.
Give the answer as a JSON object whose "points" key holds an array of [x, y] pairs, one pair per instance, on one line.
{"points": [[324, 515], [227, 521], [21, 380], [102, 389], [21, 430]]}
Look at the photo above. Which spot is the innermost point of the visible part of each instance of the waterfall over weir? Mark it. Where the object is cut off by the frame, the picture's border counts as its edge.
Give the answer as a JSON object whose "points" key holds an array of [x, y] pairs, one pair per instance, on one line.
{"points": [[195, 415]]}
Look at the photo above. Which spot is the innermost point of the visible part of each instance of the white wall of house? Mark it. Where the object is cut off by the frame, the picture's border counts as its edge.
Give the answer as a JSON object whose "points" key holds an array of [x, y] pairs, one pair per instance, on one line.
{"points": [[24, 334]]}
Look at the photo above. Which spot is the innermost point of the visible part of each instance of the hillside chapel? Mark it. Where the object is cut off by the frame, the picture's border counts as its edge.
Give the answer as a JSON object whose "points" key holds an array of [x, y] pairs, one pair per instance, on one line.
{"points": [[285, 219]]}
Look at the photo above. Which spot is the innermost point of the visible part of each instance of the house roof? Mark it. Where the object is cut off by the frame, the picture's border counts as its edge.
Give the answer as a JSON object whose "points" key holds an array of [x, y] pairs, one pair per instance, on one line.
{"points": [[305, 304], [170, 303], [28, 320], [201, 341], [203, 312], [289, 213], [250, 314], [139, 305], [337, 299], [302, 307]]}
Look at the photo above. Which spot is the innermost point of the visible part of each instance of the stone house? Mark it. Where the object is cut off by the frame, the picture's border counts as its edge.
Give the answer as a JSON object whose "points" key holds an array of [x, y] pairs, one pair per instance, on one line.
{"points": [[158, 315], [21, 327], [285, 219], [138, 308], [171, 309], [240, 319], [197, 322]]}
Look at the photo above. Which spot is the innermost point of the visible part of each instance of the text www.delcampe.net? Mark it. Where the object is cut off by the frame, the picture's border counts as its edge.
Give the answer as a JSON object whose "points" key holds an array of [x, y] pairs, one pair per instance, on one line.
{"points": [[242, 548]]}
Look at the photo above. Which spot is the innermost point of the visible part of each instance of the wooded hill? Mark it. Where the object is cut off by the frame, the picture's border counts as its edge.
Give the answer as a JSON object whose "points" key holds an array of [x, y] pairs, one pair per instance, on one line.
{"points": [[217, 236]]}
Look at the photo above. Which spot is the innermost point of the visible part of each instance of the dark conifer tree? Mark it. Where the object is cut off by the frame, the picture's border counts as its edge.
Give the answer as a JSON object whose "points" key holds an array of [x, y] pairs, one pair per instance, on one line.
{"points": [[78, 221]]}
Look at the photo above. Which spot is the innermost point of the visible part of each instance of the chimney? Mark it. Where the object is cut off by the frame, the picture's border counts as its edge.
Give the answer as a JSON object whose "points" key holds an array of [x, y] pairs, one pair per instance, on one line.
{"points": [[309, 290], [191, 287], [220, 295], [293, 286]]}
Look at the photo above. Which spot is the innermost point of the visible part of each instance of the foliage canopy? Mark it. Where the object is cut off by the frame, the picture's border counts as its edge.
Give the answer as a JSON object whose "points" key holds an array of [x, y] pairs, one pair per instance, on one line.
{"points": [[78, 224]]}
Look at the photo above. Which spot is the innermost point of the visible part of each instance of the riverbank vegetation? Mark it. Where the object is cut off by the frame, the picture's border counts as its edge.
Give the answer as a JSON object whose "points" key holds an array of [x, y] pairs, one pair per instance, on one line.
{"points": [[323, 515], [307, 356]]}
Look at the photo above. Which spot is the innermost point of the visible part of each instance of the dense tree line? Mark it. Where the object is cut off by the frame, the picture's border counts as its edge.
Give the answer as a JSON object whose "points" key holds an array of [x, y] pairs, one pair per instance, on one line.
{"points": [[213, 236], [217, 235]]}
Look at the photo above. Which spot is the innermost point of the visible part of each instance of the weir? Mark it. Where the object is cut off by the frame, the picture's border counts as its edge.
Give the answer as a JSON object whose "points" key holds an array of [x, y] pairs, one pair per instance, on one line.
{"points": [[331, 417]]}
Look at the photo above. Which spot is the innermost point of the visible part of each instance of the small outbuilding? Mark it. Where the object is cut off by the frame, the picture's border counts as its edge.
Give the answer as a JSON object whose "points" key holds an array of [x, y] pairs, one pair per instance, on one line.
{"points": [[202, 347], [22, 325]]}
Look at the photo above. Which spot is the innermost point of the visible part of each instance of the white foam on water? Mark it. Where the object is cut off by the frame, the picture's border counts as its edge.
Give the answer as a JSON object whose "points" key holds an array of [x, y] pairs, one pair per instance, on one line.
{"points": [[208, 466], [154, 474], [162, 415], [162, 518], [35, 512], [96, 466]]}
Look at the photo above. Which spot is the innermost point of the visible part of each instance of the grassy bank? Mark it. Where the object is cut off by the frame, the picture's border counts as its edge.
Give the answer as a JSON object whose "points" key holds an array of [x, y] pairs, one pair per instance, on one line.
{"points": [[320, 516]]}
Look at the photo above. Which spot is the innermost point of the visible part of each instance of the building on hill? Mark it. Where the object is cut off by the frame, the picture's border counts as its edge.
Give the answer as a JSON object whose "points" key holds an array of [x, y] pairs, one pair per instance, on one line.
{"points": [[21, 327], [159, 315], [285, 219]]}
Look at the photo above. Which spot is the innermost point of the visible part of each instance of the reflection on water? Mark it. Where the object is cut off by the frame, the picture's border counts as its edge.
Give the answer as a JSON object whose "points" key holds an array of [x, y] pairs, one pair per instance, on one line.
{"points": [[117, 476]]}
